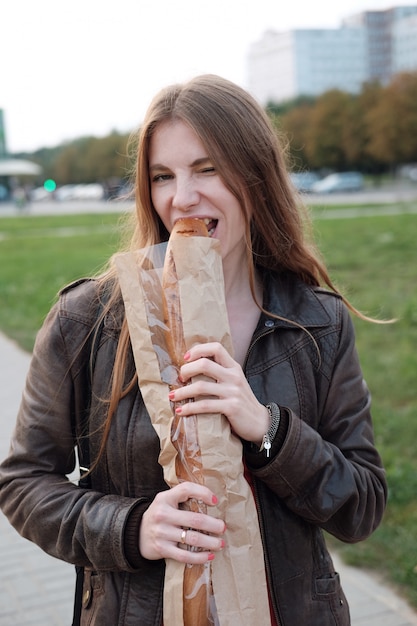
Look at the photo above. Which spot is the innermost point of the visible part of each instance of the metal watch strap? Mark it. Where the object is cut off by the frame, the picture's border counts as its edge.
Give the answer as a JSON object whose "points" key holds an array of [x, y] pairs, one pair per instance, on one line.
{"points": [[269, 436]]}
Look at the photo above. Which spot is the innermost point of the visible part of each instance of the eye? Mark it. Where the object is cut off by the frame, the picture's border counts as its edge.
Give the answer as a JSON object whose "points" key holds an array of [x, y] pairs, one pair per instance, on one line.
{"points": [[210, 169], [158, 178]]}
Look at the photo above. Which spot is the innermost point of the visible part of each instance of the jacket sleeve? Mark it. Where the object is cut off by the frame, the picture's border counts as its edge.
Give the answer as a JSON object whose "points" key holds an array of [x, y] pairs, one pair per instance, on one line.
{"points": [[84, 527], [332, 476]]}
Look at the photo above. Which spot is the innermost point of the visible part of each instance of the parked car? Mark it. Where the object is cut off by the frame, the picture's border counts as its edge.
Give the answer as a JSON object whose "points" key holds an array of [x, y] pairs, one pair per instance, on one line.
{"points": [[303, 181], [40, 194], [408, 171], [91, 191], [342, 182], [64, 193]]}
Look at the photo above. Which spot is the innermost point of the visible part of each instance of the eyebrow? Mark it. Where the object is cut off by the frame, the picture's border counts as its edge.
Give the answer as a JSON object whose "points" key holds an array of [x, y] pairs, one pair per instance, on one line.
{"points": [[196, 163]]}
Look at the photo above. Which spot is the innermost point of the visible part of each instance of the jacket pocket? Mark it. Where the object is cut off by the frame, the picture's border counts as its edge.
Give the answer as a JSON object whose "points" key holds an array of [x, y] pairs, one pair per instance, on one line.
{"points": [[93, 588], [328, 590]]}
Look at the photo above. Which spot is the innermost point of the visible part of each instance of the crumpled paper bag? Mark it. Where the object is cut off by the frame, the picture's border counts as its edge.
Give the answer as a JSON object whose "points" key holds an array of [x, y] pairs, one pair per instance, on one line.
{"points": [[237, 574]]}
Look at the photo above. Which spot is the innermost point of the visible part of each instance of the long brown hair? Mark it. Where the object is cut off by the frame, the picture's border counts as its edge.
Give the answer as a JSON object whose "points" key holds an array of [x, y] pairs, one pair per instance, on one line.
{"points": [[248, 155]]}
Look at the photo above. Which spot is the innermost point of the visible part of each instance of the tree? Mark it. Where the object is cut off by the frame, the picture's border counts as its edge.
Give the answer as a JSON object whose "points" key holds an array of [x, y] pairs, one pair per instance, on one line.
{"points": [[325, 137], [367, 100], [87, 160], [392, 122], [371, 131], [295, 124], [66, 167], [280, 109]]}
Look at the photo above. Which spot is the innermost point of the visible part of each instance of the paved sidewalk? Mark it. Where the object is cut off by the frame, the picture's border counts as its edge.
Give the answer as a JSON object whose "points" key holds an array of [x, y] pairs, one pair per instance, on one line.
{"points": [[37, 590]]}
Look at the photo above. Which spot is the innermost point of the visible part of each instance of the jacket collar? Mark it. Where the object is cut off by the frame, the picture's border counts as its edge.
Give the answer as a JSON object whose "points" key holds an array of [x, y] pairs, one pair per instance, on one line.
{"points": [[288, 297]]}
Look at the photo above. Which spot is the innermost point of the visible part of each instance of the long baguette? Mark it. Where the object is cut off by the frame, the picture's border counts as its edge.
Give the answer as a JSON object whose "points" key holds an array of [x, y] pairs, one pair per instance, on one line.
{"points": [[197, 589]]}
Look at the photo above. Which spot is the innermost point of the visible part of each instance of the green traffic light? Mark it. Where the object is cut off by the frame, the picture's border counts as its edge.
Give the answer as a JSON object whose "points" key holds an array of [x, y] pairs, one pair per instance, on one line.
{"points": [[49, 185]]}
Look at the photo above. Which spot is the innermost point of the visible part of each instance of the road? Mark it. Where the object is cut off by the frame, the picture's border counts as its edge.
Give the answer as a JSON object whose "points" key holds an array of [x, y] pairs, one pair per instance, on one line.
{"points": [[389, 195]]}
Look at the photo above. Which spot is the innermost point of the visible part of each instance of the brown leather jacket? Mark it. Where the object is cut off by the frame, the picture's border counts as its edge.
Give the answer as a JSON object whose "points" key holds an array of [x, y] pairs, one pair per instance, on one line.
{"points": [[324, 474]]}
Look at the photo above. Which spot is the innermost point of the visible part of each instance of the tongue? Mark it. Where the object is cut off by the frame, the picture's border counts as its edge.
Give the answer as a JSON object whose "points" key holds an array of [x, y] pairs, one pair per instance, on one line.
{"points": [[212, 225]]}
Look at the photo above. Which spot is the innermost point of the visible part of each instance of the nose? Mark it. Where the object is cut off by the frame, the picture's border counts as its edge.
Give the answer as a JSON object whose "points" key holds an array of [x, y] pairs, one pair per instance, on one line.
{"points": [[186, 195]]}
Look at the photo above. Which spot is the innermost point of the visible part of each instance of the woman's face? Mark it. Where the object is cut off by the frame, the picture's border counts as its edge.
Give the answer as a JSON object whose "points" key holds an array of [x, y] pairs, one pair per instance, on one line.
{"points": [[185, 183]]}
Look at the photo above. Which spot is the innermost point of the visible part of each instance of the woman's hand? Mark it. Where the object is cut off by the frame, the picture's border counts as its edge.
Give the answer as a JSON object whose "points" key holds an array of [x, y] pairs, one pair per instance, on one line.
{"points": [[225, 390], [167, 531]]}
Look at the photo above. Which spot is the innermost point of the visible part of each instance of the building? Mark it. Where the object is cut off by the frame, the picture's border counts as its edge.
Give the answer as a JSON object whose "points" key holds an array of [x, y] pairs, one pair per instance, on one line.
{"points": [[309, 62], [405, 45], [369, 46]]}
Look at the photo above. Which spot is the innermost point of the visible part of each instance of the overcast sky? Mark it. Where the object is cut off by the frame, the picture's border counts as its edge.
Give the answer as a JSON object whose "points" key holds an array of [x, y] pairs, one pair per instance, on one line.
{"points": [[86, 67]]}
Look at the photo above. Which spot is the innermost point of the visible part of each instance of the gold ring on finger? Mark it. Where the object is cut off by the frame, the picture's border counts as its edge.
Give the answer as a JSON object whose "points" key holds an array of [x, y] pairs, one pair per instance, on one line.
{"points": [[183, 535]]}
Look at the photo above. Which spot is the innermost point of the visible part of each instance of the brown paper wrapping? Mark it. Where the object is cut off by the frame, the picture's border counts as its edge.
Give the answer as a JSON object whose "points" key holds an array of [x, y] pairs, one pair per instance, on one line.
{"points": [[237, 572]]}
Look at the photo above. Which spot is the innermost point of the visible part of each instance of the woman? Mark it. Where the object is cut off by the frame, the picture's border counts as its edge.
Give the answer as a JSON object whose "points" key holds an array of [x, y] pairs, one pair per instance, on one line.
{"points": [[207, 150]]}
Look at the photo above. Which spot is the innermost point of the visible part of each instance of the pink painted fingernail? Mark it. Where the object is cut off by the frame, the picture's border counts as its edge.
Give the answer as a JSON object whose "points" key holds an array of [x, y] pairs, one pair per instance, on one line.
{"points": [[186, 356], [210, 557], [171, 395], [178, 410], [222, 544], [214, 500]]}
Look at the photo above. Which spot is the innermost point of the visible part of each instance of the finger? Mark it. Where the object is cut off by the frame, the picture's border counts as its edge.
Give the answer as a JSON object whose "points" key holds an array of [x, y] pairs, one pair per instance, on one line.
{"points": [[212, 350], [205, 406], [200, 522], [202, 367], [221, 370], [185, 491], [191, 539], [167, 511], [206, 370], [191, 557], [205, 387], [161, 540]]}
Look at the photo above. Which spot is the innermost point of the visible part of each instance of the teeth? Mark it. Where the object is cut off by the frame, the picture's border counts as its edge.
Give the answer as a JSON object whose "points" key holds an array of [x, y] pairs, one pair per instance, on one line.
{"points": [[207, 221]]}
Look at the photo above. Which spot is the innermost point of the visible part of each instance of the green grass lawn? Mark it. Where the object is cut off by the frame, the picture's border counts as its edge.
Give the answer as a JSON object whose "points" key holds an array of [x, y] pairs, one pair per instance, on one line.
{"points": [[39, 255], [372, 259]]}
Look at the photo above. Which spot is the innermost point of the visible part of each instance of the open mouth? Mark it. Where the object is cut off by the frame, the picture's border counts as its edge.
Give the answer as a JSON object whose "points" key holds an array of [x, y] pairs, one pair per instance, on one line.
{"points": [[211, 225]]}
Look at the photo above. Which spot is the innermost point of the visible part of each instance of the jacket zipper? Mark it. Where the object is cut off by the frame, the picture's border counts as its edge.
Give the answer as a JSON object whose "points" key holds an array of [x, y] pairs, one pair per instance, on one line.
{"points": [[267, 565], [257, 502], [260, 336]]}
